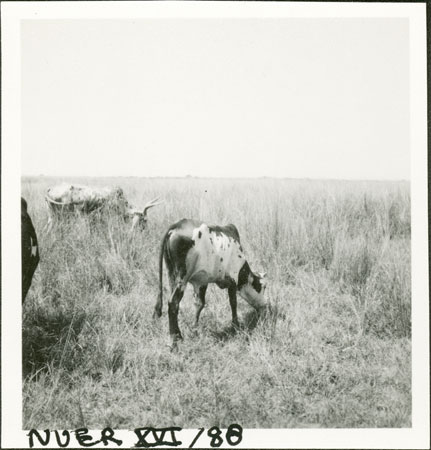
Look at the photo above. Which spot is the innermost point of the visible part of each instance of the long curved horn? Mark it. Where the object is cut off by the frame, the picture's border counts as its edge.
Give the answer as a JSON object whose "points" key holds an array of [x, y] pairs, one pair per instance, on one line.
{"points": [[50, 200], [152, 203]]}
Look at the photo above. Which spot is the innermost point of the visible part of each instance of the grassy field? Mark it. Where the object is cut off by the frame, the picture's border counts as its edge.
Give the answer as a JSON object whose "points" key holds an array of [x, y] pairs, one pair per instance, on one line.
{"points": [[337, 353]]}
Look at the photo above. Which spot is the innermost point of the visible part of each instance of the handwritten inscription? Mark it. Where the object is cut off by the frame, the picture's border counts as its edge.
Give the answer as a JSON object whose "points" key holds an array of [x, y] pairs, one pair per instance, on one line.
{"points": [[148, 437], [153, 437], [82, 436]]}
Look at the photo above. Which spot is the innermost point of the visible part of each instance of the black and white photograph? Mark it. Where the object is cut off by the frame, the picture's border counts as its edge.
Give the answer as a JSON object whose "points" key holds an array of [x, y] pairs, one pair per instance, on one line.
{"points": [[223, 225]]}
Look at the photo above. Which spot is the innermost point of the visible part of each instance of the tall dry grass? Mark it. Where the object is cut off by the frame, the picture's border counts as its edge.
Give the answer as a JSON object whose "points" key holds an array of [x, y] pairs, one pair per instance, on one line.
{"points": [[336, 352]]}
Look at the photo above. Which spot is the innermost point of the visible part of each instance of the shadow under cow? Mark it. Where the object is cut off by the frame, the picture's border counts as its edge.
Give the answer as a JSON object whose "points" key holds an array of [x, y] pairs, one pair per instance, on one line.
{"points": [[247, 324]]}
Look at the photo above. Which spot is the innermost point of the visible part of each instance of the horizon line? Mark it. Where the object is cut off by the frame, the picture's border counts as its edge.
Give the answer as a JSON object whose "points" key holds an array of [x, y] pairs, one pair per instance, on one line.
{"points": [[220, 177]]}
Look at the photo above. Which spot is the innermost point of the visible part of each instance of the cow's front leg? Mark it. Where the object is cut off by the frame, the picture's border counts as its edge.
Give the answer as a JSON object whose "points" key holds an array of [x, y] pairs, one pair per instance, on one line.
{"points": [[233, 303], [173, 307]]}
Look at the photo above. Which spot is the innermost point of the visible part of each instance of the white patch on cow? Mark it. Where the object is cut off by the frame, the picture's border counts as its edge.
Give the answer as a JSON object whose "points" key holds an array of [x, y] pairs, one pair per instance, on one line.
{"points": [[213, 258]]}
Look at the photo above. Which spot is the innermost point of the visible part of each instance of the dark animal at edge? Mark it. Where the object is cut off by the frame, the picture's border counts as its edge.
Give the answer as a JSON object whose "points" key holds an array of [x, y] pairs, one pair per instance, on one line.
{"points": [[29, 249]]}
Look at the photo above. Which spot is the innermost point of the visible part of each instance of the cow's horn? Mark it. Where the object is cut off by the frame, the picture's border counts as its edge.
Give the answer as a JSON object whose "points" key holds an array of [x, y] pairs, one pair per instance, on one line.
{"points": [[152, 203]]}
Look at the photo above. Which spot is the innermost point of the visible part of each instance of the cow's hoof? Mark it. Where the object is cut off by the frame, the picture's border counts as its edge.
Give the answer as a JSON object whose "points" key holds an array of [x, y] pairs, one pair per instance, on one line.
{"points": [[173, 343], [195, 331]]}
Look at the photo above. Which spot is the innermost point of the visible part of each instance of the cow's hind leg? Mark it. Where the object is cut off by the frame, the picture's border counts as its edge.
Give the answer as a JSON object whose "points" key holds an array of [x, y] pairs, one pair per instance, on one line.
{"points": [[173, 307], [233, 303], [200, 302]]}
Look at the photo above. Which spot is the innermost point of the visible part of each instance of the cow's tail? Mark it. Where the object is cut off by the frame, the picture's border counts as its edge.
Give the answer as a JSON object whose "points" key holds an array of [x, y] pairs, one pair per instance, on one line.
{"points": [[159, 303]]}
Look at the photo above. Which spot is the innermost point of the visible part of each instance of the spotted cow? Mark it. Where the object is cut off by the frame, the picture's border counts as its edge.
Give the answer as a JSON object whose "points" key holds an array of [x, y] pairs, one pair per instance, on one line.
{"points": [[199, 254]]}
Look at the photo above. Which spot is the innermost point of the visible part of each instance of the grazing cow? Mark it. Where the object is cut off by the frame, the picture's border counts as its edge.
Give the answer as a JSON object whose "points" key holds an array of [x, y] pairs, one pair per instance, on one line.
{"points": [[73, 197], [200, 254], [29, 249]]}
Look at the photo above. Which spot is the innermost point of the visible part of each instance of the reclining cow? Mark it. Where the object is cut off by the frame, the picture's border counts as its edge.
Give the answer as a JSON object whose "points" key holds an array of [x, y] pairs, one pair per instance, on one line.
{"points": [[68, 198], [29, 250], [200, 254]]}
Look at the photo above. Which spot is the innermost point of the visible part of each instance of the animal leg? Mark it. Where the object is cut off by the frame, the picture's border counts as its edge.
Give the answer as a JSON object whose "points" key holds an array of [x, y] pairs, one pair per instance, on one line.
{"points": [[200, 302], [173, 307], [233, 303]]}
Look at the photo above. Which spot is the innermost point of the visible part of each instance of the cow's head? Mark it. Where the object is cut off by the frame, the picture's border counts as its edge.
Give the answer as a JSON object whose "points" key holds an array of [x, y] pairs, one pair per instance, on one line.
{"points": [[258, 282], [139, 216], [252, 289], [260, 279]]}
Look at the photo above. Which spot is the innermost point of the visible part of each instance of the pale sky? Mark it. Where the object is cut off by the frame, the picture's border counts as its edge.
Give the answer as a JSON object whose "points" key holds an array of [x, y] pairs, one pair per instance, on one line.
{"points": [[300, 98]]}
